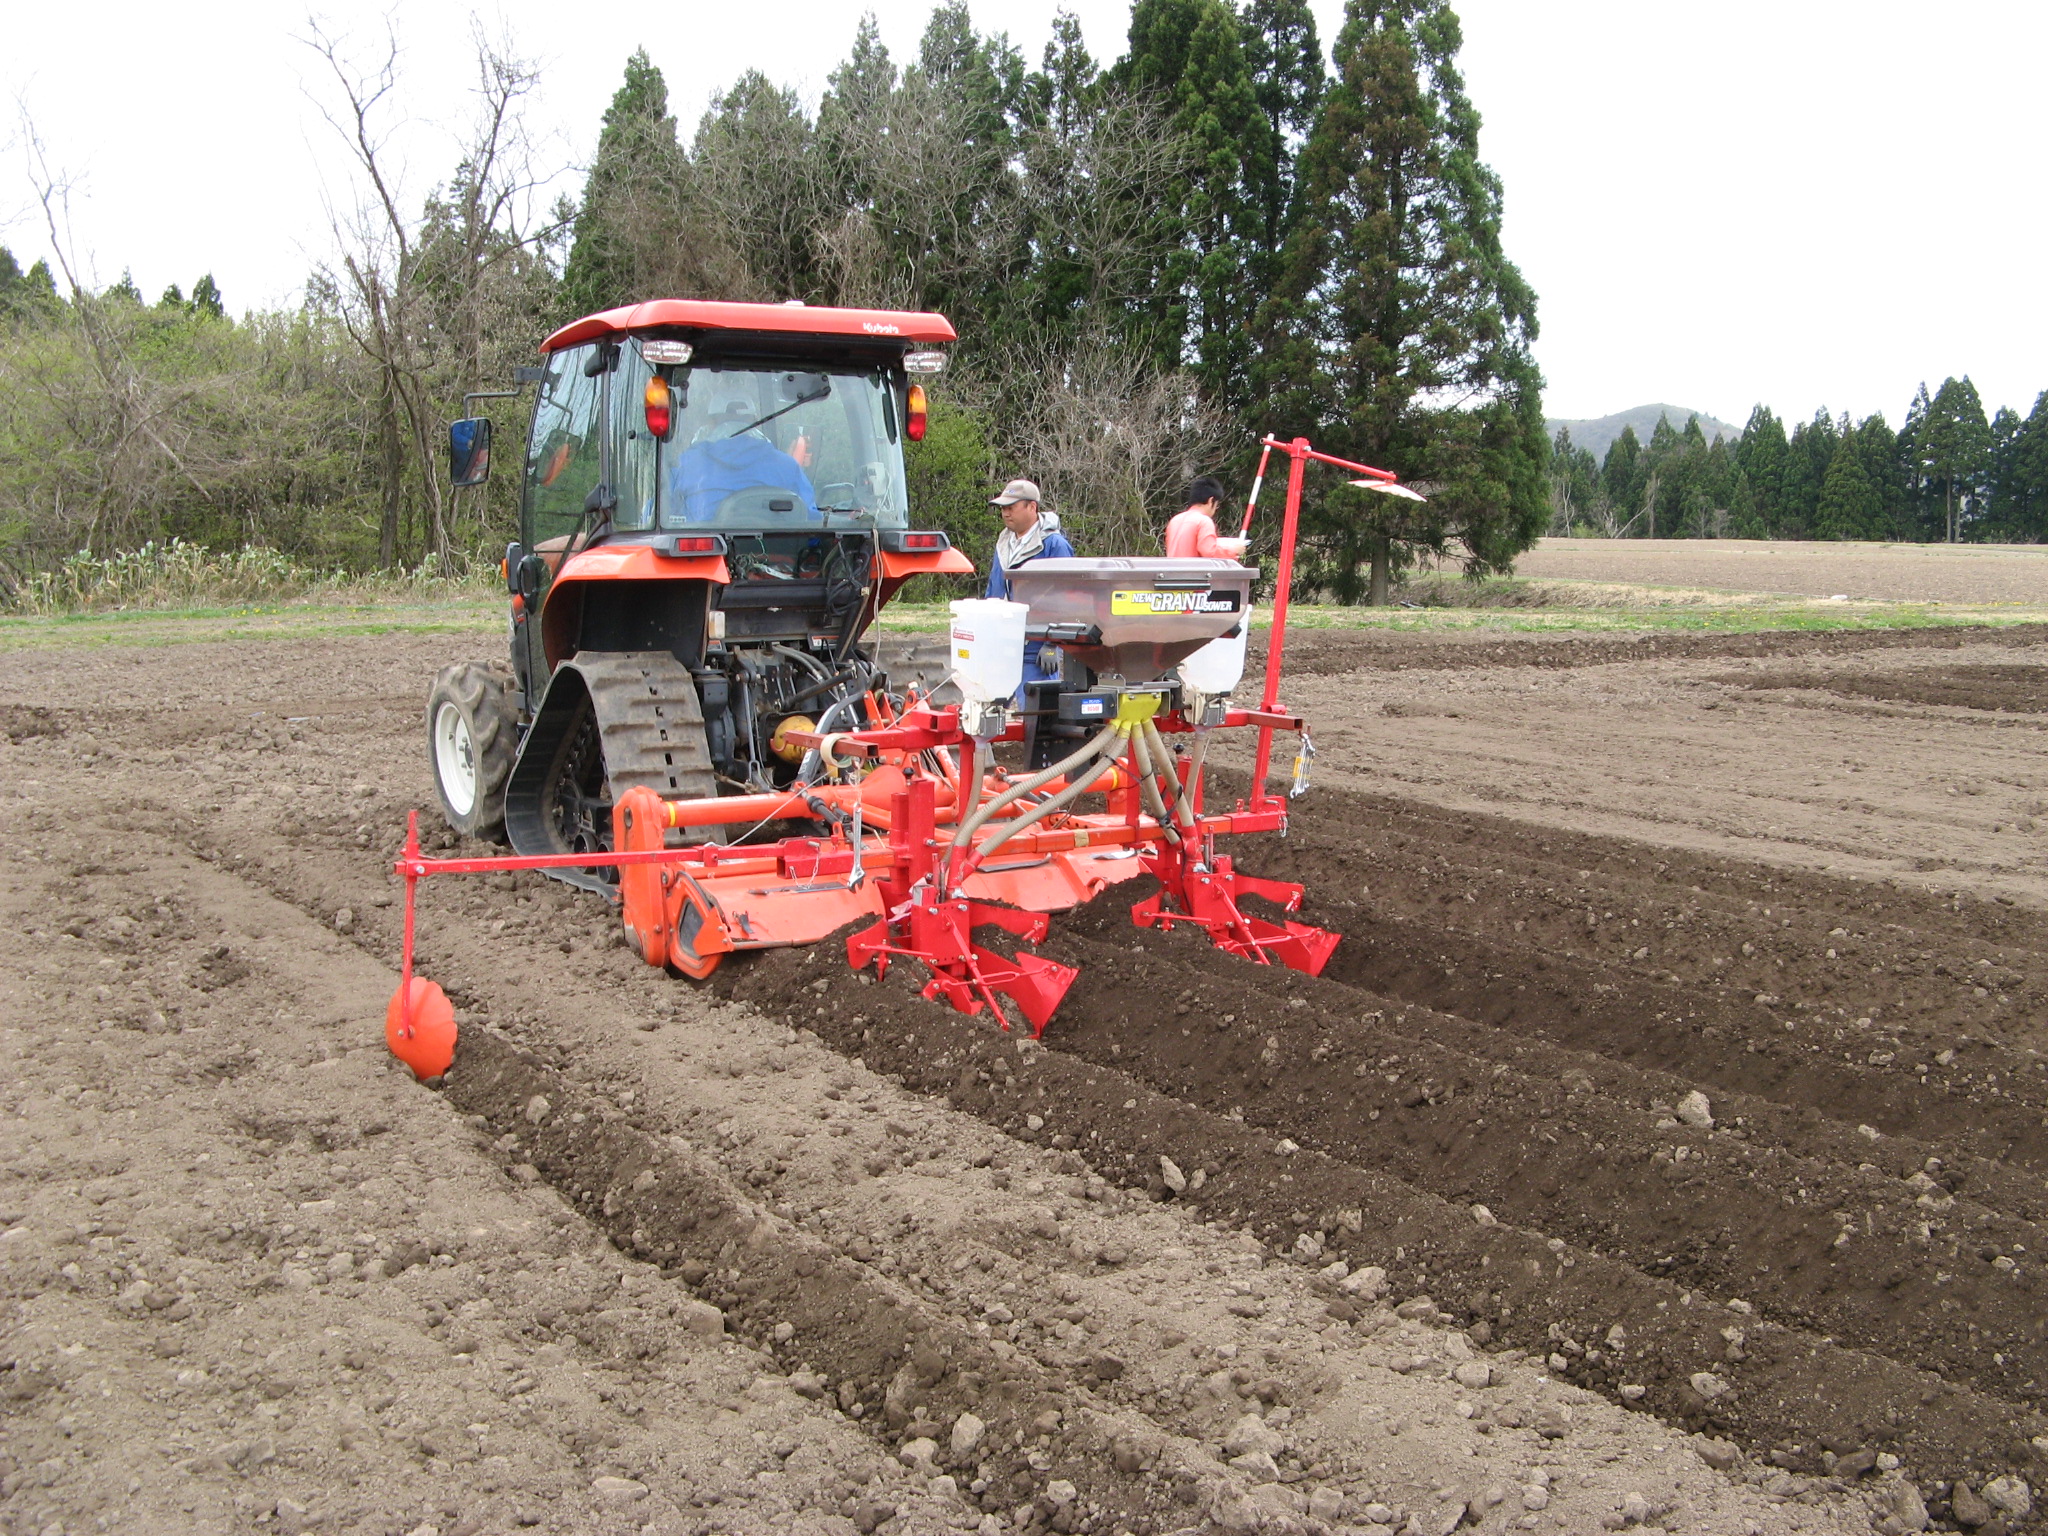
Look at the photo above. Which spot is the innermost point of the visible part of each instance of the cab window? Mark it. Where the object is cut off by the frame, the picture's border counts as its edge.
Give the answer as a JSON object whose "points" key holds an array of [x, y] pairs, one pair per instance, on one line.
{"points": [[633, 450], [562, 455], [757, 445]]}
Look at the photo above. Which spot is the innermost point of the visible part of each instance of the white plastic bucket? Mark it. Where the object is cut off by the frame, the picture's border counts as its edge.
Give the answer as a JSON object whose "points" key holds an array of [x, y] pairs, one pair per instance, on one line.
{"points": [[987, 648], [1218, 666]]}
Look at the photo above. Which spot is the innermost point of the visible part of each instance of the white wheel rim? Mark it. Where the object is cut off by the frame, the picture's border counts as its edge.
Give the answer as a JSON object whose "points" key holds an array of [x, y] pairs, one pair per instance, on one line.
{"points": [[455, 759]]}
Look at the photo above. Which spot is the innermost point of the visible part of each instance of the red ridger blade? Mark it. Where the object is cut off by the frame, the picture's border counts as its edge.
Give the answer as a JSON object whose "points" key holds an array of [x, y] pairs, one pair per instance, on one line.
{"points": [[937, 931], [1208, 898], [419, 1021]]}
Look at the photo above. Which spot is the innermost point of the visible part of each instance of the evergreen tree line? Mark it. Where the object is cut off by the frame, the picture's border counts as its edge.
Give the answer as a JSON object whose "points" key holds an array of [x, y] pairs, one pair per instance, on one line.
{"points": [[1151, 261], [1948, 475]]}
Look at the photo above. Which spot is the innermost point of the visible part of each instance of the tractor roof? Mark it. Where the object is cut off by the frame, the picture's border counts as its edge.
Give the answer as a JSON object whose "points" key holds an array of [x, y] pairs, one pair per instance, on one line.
{"points": [[779, 319]]}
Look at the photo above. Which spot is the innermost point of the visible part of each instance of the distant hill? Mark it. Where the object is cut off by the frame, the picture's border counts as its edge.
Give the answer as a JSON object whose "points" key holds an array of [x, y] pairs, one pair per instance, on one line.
{"points": [[1598, 433]]}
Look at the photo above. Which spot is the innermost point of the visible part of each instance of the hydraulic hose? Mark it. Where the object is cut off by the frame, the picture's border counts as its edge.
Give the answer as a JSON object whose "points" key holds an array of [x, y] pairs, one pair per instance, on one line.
{"points": [[1065, 797], [827, 723], [969, 825], [830, 719], [1149, 787], [1183, 812], [809, 663], [804, 696], [1196, 761]]}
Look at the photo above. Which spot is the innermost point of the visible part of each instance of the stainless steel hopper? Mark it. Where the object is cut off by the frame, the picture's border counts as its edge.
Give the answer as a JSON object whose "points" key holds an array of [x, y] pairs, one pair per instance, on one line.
{"points": [[1135, 618]]}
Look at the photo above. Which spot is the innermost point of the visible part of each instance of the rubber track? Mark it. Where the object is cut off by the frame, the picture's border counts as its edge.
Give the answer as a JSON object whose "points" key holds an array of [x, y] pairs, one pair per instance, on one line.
{"points": [[651, 723]]}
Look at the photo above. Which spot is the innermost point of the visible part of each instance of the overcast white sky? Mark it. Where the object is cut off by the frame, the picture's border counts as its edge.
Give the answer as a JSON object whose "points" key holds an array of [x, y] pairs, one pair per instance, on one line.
{"points": [[1800, 202]]}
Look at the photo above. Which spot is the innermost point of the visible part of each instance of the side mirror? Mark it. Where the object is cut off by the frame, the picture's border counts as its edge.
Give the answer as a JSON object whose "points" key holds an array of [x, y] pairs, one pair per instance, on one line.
{"points": [[469, 451], [529, 576]]}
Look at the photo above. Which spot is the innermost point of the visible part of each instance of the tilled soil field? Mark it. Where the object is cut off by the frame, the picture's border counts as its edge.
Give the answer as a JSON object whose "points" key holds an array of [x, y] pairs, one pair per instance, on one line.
{"points": [[1644, 1159], [1942, 573]]}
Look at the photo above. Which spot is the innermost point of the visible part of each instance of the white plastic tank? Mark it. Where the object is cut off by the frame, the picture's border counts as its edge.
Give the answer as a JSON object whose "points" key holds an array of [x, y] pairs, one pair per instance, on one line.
{"points": [[987, 648], [1218, 666]]}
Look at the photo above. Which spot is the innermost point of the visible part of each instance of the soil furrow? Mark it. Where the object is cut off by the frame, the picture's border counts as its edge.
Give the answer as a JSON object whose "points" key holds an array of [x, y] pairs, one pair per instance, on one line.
{"points": [[1600, 1323], [1150, 1385], [908, 1372], [1707, 1040], [1689, 909], [2005, 689], [1500, 932], [1843, 1251], [1483, 1103]]}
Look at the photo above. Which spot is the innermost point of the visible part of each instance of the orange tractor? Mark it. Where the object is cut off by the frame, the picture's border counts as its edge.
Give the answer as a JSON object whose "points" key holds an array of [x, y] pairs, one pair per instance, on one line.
{"points": [[694, 720]]}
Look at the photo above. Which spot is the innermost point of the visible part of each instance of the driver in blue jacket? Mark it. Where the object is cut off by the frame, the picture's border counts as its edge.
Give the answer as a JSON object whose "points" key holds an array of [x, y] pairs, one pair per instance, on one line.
{"points": [[727, 458]]}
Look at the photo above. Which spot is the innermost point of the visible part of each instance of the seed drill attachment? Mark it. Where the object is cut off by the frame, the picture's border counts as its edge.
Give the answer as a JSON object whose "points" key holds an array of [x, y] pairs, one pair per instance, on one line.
{"points": [[917, 842]]}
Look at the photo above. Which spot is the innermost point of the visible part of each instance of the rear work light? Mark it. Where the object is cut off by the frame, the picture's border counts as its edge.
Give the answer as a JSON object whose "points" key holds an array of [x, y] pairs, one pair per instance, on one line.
{"points": [[914, 414], [666, 353], [924, 362], [660, 410]]}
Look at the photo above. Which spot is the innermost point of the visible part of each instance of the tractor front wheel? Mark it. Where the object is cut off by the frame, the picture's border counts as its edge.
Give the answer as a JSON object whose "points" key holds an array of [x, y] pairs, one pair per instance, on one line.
{"points": [[472, 735]]}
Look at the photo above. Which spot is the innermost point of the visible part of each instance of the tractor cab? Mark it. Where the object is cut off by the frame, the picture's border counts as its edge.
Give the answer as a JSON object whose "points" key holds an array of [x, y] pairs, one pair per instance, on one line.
{"points": [[770, 436], [714, 510]]}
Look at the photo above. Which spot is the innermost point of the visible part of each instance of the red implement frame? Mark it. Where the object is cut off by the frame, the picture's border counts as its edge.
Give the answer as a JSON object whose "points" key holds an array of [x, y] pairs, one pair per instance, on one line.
{"points": [[1298, 453], [892, 862]]}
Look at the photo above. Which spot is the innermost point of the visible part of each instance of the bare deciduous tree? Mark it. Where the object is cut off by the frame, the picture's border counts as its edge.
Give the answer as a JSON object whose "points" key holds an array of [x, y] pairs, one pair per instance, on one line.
{"points": [[427, 297], [124, 428], [1564, 509], [1112, 443], [1092, 190], [375, 241]]}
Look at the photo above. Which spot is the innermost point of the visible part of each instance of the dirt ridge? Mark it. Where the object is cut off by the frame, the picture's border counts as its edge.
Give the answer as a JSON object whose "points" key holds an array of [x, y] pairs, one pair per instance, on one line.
{"points": [[910, 1372]]}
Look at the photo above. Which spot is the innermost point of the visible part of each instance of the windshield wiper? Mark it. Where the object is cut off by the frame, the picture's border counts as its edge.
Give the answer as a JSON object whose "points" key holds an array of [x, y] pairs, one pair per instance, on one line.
{"points": [[799, 400]]}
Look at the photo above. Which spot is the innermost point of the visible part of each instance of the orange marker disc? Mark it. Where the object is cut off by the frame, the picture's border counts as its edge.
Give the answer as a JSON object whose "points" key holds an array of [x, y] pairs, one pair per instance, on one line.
{"points": [[429, 1047]]}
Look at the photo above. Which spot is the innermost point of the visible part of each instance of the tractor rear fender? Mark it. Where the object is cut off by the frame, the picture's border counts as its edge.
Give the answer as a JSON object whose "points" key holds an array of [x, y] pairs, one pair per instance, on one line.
{"points": [[562, 610], [897, 567]]}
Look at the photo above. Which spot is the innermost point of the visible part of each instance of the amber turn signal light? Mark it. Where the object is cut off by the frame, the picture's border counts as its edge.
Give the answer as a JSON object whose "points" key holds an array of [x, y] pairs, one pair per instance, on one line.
{"points": [[660, 409]]}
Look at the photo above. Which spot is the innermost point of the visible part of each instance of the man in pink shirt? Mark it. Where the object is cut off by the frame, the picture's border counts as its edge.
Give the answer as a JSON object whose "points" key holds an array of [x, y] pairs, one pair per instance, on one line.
{"points": [[1191, 535]]}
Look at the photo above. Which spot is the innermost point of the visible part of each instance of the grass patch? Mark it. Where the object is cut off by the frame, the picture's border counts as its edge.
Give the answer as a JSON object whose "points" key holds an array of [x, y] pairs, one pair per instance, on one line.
{"points": [[474, 603], [1435, 589], [302, 620], [179, 593], [1727, 620], [181, 577], [1434, 601]]}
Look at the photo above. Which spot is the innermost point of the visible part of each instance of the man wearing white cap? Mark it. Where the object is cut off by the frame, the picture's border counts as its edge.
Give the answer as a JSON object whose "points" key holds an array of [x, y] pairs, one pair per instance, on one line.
{"points": [[1029, 533]]}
